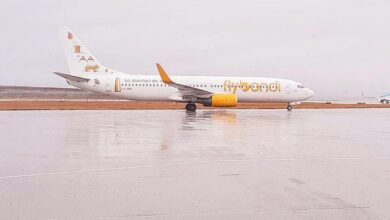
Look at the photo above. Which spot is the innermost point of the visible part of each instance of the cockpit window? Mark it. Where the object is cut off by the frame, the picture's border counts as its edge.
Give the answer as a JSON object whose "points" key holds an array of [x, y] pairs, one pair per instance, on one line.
{"points": [[300, 86]]}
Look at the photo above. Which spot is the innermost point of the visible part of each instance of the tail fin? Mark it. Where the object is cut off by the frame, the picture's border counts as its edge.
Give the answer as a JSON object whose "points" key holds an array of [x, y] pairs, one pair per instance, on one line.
{"points": [[80, 59], [367, 97]]}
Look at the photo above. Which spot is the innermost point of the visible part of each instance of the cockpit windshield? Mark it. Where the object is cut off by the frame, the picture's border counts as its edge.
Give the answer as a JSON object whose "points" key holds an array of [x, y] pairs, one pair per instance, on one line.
{"points": [[300, 86]]}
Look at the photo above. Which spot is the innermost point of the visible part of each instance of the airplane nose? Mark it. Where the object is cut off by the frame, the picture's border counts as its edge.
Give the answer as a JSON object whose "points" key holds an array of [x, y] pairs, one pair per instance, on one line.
{"points": [[309, 93]]}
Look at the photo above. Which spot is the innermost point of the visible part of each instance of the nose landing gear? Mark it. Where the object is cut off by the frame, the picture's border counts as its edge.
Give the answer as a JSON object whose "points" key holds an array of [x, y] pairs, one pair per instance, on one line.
{"points": [[289, 107], [191, 107]]}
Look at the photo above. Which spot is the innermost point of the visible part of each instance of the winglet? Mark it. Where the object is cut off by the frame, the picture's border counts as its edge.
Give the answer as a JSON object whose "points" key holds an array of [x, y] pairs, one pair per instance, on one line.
{"points": [[164, 76]]}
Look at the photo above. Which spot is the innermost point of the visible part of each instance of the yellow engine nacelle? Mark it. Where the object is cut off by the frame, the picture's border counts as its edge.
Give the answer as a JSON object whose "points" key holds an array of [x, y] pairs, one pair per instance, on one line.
{"points": [[223, 100]]}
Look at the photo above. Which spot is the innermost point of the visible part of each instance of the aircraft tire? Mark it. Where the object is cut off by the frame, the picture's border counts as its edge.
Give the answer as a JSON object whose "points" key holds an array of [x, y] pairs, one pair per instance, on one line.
{"points": [[191, 107]]}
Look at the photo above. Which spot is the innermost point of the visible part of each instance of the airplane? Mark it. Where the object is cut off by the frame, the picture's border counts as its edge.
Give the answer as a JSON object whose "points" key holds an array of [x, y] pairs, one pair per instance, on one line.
{"points": [[87, 73], [384, 99]]}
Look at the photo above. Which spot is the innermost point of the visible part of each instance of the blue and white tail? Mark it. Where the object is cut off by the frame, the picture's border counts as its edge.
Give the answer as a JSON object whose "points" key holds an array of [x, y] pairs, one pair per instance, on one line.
{"points": [[80, 59]]}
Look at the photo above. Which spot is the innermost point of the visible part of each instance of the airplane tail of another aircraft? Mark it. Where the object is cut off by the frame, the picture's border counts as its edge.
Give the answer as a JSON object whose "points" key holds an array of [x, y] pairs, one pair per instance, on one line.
{"points": [[368, 97], [80, 59]]}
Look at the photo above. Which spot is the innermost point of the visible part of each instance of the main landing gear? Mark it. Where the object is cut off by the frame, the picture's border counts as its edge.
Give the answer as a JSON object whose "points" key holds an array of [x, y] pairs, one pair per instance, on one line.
{"points": [[384, 101], [289, 107], [191, 107]]}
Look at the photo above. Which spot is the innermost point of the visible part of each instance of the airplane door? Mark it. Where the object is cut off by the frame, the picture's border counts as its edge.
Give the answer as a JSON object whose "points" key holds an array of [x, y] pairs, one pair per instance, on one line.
{"points": [[288, 89], [108, 87]]}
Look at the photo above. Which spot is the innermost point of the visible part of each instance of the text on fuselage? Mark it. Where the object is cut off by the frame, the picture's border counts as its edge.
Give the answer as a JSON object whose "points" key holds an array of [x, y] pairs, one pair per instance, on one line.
{"points": [[229, 86]]}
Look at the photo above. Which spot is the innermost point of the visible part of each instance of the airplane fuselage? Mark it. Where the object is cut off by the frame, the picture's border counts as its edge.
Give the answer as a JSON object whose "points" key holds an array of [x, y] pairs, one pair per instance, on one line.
{"points": [[152, 88]]}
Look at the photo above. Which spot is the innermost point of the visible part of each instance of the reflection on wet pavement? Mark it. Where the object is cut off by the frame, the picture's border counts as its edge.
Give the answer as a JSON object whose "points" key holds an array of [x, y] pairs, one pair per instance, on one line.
{"points": [[212, 164]]}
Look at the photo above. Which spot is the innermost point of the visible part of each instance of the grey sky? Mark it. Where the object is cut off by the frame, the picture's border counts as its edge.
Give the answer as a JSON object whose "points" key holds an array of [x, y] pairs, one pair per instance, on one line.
{"points": [[337, 48]]}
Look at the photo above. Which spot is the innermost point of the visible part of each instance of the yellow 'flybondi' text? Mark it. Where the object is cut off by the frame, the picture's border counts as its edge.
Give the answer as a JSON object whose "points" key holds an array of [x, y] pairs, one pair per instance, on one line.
{"points": [[229, 86]]}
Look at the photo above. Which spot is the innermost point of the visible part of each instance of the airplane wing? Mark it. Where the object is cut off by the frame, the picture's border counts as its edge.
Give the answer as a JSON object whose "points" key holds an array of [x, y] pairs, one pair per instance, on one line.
{"points": [[72, 78], [187, 92]]}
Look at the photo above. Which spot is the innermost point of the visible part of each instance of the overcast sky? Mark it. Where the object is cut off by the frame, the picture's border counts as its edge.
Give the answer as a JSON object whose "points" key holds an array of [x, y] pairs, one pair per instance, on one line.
{"points": [[335, 47]]}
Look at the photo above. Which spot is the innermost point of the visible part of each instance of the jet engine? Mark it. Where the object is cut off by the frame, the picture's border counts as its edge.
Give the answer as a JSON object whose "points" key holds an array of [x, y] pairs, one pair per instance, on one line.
{"points": [[220, 100]]}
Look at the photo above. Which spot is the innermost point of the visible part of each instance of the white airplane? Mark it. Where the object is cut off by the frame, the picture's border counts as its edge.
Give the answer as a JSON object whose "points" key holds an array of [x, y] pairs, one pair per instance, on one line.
{"points": [[86, 72], [384, 99]]}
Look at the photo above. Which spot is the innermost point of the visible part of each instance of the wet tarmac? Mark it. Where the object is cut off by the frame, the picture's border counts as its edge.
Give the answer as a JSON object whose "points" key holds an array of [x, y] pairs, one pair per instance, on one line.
{"points": [[218, 164]]}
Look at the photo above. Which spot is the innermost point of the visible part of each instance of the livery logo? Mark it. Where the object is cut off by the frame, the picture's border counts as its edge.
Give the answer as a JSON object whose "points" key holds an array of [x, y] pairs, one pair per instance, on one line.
{"points": [[70, 36], [82, 58], [233, 87], [77, 48], [117, 84], [91, 68]]}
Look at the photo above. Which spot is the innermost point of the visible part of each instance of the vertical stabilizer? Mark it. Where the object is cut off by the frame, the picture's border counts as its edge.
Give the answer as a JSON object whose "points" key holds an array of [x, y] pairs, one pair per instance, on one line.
{"points": [[80, 59]]}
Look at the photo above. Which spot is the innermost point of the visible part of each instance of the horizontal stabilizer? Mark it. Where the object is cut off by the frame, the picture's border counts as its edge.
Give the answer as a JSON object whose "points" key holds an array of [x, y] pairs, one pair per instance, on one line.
{"points": [[72, 78]]}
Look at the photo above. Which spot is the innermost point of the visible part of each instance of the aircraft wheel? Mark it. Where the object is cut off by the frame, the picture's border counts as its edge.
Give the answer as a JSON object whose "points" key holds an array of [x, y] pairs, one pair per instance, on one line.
{"points": [[387, 102], [383, 101], [191, 107], [289, 107]]}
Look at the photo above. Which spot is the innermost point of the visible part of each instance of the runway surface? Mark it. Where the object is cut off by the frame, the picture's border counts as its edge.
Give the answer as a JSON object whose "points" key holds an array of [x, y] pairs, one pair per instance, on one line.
{"points": [[93, 104], [213, 164]]}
